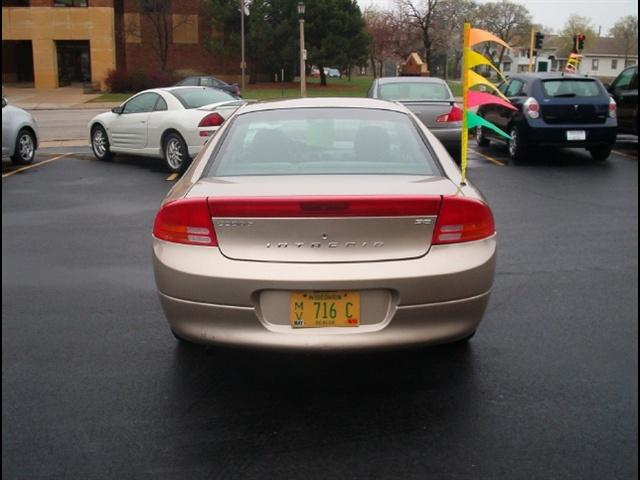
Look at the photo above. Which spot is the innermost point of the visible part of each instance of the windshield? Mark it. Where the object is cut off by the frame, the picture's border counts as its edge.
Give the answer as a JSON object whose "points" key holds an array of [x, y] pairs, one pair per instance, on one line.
{"points": [[199, 96], [323, 141], [571, 88], [414, 91]]}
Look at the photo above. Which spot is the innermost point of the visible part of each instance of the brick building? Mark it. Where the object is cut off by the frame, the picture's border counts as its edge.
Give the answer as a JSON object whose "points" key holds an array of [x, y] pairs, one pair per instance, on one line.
{"points": [[52, 43]]}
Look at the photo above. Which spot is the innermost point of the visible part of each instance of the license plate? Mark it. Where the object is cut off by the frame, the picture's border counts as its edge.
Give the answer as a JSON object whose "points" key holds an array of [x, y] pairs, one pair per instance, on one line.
{"points": [[574, 135], [324, 309]]}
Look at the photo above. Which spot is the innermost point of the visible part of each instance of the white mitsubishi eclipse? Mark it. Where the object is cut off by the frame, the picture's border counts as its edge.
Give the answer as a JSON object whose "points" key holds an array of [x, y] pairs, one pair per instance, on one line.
{"points": [[171, 123]]}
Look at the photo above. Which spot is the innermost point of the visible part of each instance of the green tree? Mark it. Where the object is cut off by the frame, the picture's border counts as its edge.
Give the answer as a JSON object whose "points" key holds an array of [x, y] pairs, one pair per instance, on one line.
{"points": [[335, 34]]}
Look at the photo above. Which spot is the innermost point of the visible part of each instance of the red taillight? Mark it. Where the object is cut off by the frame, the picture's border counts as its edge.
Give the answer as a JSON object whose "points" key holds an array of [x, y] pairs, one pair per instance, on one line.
{"points": [[613, 108], [329, 206], [462, 220], [455, 115], [185, 221], [212, 120], [531, 107]]}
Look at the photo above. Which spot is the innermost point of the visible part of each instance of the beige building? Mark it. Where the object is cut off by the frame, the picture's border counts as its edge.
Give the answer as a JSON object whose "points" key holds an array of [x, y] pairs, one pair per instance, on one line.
{"points": [[52, 43]]}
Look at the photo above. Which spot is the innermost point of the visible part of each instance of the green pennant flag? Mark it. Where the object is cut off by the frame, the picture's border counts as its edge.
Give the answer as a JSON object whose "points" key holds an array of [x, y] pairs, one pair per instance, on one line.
{"points": [[474, 120]]}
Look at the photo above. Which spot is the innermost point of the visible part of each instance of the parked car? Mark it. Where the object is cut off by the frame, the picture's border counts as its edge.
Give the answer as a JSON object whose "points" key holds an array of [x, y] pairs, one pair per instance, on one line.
{"points": [[170, 123], [209, 81], [624, 91], [431, 100], [314, 72], [324, 223], [334, 73], [553, 110], [19, 134]]}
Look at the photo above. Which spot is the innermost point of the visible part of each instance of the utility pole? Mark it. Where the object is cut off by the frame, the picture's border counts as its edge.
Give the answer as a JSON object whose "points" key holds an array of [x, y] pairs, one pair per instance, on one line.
{"points": [[243, 64], [533, 33], [303, 72]]}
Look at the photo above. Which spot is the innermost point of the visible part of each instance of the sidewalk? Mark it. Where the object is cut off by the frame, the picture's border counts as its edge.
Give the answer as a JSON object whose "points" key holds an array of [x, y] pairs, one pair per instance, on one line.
{"points": [[63, 98]]}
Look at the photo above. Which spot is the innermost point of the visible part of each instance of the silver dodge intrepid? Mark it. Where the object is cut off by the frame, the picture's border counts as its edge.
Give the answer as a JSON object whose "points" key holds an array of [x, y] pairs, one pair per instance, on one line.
{"points": [[324, 224]]}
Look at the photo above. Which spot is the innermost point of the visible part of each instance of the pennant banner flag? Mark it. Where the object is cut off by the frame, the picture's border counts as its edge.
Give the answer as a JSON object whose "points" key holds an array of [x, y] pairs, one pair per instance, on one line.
{"points": [[472, 98], [475, 99], [476, 59]]}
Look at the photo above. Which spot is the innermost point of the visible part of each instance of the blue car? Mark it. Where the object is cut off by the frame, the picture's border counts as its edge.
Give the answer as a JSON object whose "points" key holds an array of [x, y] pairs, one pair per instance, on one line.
{"points": [[553, 110]]}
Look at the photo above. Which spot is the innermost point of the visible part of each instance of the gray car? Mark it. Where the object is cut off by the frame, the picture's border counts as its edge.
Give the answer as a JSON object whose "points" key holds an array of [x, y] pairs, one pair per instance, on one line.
{"points": [[19, 134], [431, 100]]}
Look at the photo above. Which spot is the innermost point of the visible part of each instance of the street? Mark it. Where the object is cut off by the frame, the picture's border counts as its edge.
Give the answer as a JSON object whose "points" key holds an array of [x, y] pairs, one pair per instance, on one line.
{"points": [[95, 386]]}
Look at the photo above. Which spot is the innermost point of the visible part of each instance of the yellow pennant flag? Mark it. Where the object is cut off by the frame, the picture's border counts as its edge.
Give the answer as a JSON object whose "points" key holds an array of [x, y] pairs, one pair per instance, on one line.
{"points": [[478, 36], [476, 59], [474, 78]]}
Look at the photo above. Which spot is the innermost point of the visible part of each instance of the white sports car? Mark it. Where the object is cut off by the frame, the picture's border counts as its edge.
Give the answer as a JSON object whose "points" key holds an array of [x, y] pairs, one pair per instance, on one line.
{"points": [[171, 123]]}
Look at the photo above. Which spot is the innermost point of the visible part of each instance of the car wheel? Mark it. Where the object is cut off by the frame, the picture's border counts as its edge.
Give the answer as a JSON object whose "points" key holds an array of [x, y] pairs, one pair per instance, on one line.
{"points": [[176, 154], [516, 146], [600, 153], [100, 144], [481, 139], [25, 150]]}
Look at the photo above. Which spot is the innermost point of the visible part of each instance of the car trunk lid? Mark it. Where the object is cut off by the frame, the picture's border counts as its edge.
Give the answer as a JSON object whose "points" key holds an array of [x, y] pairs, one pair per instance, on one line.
{"points": [[329, 220], [428, 111]]}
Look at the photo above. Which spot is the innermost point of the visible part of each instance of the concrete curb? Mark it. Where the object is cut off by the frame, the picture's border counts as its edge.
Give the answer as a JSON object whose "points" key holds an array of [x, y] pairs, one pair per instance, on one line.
{"points": [[77, 106]]}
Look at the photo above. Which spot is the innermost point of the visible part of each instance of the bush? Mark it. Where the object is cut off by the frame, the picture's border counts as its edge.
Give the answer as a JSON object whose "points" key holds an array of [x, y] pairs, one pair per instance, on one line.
{"points": [[118, 81], [121, 81]]}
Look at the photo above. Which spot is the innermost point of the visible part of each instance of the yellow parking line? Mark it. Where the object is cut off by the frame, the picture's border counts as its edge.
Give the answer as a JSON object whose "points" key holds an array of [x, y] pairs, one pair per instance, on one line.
{"points": [[624, 154], [491, 159], [13, 172], [171, 177]]}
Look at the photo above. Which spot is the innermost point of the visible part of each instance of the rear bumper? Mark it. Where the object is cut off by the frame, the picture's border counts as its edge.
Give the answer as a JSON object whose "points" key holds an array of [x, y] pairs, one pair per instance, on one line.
{"points": [[449, 137], [244, 326], [541, 134], [437, 298]]}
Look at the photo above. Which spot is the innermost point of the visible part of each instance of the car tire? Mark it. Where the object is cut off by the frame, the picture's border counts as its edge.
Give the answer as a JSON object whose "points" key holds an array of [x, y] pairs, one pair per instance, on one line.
{"points": [[176, 153], [515, 146], [25, 149], [481, 139], [600, 153], [100, 144]]}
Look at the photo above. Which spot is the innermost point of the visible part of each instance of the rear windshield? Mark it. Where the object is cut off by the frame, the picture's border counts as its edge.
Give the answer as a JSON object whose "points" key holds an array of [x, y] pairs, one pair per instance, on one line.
{"points": [[571, 88], [199, 96], [414, 91], [323, 141]]}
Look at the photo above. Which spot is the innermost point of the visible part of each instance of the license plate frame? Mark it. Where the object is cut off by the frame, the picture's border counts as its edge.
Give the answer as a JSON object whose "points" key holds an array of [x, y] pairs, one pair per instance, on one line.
{"points": [[576, 135], [324, 309]]}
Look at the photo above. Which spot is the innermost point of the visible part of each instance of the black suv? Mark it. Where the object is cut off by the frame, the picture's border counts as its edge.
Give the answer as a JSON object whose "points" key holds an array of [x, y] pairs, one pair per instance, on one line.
{"points": [[624, 91], [553, 110]]}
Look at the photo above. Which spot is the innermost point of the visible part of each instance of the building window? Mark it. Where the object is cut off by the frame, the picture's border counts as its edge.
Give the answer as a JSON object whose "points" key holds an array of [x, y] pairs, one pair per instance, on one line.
{"points": [[506, 67], [70, 3], [629, 63], [594, 64], [614, 64]]}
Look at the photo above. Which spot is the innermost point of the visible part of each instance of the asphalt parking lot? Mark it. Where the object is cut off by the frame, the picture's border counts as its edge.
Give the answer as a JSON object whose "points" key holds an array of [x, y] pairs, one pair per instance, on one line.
{"points": [[95, 386]]}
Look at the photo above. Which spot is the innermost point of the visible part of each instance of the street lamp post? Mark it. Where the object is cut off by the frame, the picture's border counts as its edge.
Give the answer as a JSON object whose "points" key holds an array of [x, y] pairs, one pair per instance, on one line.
{"points": [[303, 73]]}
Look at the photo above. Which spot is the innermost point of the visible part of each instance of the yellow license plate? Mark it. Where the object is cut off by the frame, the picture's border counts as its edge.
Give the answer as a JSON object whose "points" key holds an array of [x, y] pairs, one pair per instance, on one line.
{"points": [[324, 309]]}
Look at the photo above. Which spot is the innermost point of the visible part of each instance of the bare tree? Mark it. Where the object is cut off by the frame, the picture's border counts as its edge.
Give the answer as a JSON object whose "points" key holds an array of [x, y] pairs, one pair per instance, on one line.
{"points": [[448, 30], [158, 15], [625, 31], [421, 15], [381, 27], [575, 25], [506, 19]]}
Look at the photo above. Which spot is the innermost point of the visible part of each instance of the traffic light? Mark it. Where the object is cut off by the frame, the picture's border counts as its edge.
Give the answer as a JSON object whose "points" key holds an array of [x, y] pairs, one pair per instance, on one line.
{"points": [[539, 40], [581, 38]]}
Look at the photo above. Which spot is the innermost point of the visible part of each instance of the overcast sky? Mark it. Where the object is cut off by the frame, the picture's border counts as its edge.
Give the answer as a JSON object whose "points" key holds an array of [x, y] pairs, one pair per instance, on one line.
{"points": [[553, 13]]}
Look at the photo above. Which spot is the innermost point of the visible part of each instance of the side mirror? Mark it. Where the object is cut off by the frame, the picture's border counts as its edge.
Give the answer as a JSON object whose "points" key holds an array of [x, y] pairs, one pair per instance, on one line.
{"points": [[117, 110], [4, 102]]}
